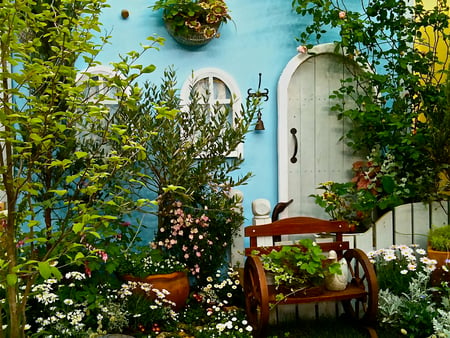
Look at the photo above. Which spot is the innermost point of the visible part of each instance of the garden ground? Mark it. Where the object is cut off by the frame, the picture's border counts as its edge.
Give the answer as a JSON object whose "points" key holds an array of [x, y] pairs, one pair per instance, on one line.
{"points": [[323, 328]]}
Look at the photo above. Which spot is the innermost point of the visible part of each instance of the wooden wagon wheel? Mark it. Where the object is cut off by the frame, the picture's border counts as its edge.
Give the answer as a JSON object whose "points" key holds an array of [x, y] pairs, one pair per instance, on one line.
{"points": [[362, 275], [256, 295]]}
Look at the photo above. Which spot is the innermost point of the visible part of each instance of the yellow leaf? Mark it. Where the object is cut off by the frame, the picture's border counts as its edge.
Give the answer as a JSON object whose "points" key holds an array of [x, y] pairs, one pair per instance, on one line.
{"points": [[422, 118]]}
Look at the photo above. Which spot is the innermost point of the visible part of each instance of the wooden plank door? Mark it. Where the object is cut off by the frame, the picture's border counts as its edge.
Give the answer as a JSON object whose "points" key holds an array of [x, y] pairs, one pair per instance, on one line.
{"points": [[310, 149]]}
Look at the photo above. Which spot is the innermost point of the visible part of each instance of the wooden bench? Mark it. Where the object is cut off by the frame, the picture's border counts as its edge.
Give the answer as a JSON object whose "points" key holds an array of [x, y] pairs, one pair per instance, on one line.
{"points": [[359, 299]]}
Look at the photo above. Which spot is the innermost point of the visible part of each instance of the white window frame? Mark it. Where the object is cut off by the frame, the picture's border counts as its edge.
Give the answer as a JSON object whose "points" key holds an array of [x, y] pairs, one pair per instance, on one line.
{"points": [[107, 72], [109, 100], [230, 83]]}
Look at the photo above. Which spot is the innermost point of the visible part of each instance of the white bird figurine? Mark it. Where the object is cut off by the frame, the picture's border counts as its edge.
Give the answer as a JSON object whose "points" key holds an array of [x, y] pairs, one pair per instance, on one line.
{"points": [[335, 282]]}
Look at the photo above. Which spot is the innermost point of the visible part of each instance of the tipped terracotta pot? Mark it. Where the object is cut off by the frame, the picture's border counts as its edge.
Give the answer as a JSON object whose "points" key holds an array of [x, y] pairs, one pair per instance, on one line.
{"points": [[177, 283]]}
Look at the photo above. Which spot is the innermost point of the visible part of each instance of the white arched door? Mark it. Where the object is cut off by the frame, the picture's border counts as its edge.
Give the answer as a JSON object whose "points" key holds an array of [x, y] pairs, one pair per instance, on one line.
{"points": [[310, 149]]}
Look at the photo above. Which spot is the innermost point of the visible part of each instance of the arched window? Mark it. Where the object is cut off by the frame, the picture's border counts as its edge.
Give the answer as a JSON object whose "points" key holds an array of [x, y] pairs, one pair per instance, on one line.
{"points": [[218, 88], [97, 89]]}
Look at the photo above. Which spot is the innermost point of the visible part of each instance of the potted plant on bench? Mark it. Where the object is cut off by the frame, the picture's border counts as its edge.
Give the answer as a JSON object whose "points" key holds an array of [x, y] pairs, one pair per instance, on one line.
{"points": [[299, 270]]}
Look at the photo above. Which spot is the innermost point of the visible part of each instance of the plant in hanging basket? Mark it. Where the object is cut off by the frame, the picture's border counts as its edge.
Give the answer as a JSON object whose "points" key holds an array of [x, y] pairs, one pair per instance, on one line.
{"points": [[193, 22]]}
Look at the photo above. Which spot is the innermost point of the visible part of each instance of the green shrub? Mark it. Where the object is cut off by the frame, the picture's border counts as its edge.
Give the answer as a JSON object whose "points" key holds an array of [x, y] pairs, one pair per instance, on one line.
{"points": [[439, 238]]}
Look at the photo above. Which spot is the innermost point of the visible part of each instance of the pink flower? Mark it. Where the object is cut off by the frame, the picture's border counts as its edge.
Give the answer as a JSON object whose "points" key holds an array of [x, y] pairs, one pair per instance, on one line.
{"points": [[302, 49], [184, 248], [186, 256], [198, 254], [104, 256], [342, 15]]}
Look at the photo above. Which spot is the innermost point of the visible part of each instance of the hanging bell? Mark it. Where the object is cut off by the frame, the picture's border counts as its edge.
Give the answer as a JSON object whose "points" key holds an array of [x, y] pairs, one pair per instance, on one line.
{"points": [[259, 125]]}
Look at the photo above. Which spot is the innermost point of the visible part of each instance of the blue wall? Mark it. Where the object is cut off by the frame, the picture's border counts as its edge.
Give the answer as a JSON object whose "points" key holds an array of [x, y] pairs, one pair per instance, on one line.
{"points": [[261, 40]]}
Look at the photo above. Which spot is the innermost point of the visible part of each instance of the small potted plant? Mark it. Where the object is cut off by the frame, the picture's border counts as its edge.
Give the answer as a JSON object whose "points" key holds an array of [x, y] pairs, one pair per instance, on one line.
{"points": [[151, 266], [299, 269], [193, 22], [346, 201], [439, 250]]}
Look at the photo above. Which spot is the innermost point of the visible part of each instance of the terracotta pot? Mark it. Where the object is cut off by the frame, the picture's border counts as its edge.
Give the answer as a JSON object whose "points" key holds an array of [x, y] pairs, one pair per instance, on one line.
{"points": [[177, 283], [439, 275]]}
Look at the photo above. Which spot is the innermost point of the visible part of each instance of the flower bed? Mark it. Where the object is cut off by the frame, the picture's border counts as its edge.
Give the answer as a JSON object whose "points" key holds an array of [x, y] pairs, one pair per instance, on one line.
{"points": [[78, 303], [408, 305]]}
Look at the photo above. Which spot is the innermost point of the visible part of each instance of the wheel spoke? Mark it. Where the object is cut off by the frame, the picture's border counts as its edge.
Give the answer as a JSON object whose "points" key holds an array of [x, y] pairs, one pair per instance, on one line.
{"points": [[362, 276]]}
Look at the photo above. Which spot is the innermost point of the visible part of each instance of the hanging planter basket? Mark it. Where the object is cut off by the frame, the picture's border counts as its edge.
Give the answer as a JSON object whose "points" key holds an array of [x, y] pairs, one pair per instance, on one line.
{"points": [[190, 37]]}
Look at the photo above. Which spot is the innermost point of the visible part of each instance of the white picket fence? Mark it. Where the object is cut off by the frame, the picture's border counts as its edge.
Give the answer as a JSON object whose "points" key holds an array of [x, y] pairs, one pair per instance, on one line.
{"points": [[406, 224]]}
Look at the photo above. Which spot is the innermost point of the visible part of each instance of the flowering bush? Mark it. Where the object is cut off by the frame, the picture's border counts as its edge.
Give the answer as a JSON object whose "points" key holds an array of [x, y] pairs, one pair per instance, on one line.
{"points": [[198, 241], [399, 265], [194, 15]]}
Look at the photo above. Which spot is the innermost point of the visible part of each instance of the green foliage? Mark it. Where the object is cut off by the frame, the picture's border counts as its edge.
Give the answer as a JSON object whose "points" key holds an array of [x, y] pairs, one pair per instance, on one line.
{"points": [[298, 267], [439, 238], [413, 312], [399, 100], [344, 201]]}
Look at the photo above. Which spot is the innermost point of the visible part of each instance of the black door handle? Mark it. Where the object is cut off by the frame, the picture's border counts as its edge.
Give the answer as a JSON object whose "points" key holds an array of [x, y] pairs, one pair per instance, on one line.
{"points": [[294, 157]]}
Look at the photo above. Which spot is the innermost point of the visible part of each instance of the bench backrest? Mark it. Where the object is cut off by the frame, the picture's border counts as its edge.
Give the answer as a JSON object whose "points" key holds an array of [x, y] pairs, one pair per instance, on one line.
{"points": [[298, 226]]}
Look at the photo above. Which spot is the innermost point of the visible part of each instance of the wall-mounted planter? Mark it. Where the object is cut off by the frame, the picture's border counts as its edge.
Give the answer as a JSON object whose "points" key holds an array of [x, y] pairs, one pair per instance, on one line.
{"points": [[190, 37]]}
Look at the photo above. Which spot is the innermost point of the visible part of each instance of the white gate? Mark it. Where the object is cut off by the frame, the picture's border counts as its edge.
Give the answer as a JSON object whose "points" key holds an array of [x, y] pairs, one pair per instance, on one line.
{"points": [[309, 147]]}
